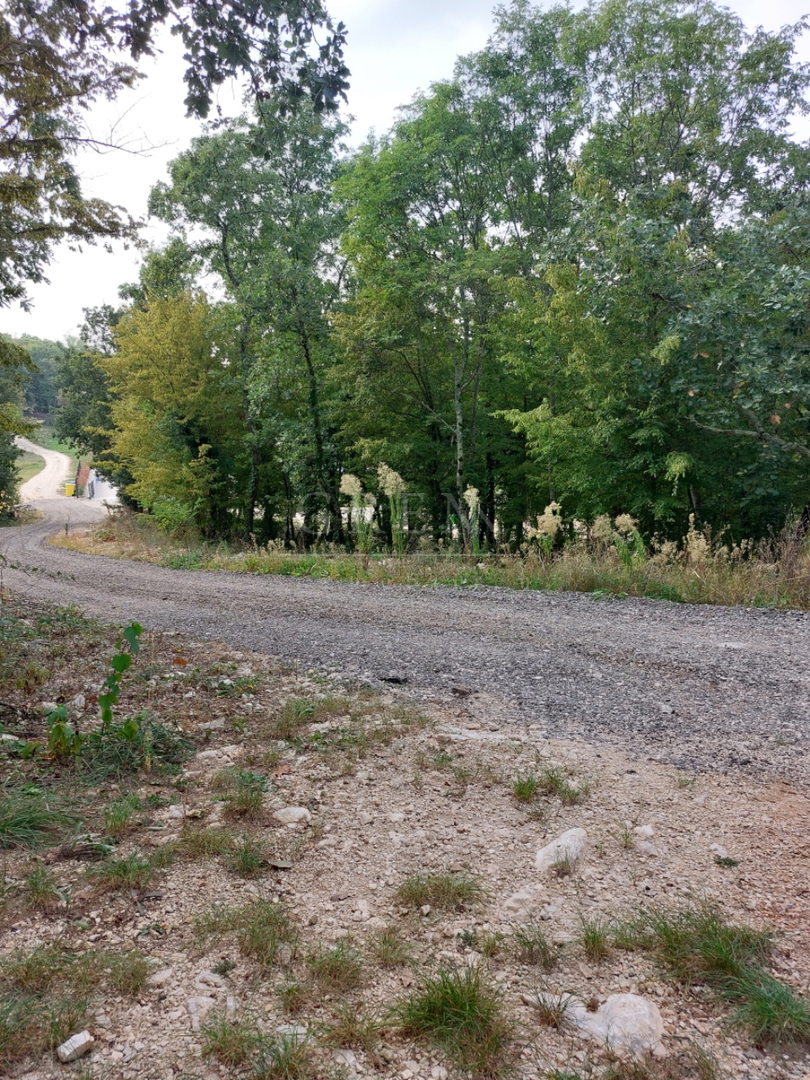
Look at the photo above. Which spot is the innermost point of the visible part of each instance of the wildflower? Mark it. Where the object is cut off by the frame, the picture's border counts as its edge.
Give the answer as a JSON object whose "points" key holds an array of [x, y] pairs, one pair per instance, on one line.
{"points": [[602, 529], [350, 485], [470, 497], [549, 522], [390, 481], [626, 524]]}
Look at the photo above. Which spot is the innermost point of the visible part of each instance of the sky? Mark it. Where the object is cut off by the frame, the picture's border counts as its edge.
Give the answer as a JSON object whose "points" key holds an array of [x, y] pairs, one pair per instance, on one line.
{"points": [[395, 48]]}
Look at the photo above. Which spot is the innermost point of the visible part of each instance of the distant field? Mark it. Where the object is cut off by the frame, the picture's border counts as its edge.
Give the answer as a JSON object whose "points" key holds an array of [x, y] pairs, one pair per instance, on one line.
{"points": [[28, 465]]}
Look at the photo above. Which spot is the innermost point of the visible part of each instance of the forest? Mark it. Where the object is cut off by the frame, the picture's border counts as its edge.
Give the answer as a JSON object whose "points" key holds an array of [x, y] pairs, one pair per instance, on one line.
{"points": [[571, 281]]}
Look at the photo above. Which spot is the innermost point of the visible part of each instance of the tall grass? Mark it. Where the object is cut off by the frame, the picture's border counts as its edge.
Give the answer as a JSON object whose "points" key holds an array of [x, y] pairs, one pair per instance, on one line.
{"points": [[605, 560]]}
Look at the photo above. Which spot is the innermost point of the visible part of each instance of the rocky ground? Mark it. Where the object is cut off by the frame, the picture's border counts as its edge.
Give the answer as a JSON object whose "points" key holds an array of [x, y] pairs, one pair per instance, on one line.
{"points": [[321, 801]]}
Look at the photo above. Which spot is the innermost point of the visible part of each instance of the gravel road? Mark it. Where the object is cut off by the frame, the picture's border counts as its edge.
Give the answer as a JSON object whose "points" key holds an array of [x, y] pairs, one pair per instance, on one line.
{"points": [[702, 687], [46, 483]]}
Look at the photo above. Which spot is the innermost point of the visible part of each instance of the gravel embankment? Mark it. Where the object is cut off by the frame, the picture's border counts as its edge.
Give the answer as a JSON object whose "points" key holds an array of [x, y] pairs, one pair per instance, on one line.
{"points": [[702, 687]]}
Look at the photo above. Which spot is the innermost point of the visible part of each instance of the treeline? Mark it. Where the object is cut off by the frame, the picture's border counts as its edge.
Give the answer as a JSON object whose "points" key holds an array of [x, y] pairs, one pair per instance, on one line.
{"points": [[576, 272]]}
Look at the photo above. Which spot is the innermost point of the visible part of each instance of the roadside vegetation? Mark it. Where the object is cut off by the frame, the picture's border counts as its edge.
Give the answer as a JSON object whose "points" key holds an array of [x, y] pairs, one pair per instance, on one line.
{"points": [[607, 559]]}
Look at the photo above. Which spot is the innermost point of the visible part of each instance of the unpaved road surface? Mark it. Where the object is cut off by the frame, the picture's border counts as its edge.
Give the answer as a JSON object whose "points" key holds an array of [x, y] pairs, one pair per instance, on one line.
{"points": [[702, 687], [48, 483]]}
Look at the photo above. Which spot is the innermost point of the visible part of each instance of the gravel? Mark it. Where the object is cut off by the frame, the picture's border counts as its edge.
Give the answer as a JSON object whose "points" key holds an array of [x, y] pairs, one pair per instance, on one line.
{"points": [[705, 688]]}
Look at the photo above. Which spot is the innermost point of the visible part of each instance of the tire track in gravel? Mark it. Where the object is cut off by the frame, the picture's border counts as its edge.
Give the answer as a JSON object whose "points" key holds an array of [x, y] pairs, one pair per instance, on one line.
{"points": [[702, 687]]}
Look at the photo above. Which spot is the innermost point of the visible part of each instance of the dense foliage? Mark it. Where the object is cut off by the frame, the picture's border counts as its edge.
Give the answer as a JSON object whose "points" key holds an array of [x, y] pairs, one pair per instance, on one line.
{"points": [[578, 272]]}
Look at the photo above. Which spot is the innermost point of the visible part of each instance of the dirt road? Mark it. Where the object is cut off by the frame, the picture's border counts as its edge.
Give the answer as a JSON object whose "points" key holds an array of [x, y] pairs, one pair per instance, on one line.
{"points": [[704, 687], [47, 484]]}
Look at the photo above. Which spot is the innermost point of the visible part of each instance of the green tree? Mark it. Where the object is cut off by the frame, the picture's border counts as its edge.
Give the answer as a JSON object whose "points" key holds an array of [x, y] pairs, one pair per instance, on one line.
{"points": [[260, 194], [58, 57]]}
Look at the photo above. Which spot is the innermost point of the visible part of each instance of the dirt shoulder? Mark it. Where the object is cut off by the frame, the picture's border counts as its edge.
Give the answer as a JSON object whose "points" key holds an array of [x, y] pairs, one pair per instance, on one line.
{"points": [[389, 790]]}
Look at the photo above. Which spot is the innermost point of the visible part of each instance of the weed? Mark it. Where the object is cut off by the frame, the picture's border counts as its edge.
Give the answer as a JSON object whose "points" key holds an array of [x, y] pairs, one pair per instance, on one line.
{"points": [[352, 1028], [260, 928], [595, 939], [450, 892], [224, 967], [231, 1043], [28, 817], [127, 971], [337, 970], [43, 891], [531, 946], [286, 1058], [726, 861], [556, 781], [132, 872], [247, 858], [551, 1008], [525, 788], [564, 865], [294, 715], [119, 815], [628, 838], [205, 843], [293, 996], [698, 946], [684, 781], [464, 1015], [389, 947], [243, 792]]}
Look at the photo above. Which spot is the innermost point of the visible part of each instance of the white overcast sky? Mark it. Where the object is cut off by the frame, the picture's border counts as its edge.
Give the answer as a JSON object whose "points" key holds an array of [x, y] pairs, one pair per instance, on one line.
{"points": [[395, 48]]}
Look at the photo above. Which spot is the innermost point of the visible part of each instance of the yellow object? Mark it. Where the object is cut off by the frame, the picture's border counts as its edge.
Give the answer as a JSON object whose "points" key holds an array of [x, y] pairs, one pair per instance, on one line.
{"points": [[70, 488]]}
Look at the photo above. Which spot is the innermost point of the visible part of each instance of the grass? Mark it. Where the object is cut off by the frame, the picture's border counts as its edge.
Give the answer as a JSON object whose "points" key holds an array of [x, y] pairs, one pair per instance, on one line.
{"points": [[260, 929], [460, 1012], [231, 1043], [118, 818], [352, 1028], [773, 572], [45, 994], [42, 890], [134, 871], [243, 792], [697, 945], [337, 970], [525, 788], [531, 946], [285, 1058], [28, 466], [28, 817], [446, 892], [554, 780], [247, 857], [595, 939], [389, 948]]}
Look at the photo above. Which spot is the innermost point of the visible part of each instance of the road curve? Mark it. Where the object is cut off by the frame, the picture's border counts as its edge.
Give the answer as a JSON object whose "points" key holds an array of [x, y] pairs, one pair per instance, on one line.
{"points": [[47, 484], [704, 687]]}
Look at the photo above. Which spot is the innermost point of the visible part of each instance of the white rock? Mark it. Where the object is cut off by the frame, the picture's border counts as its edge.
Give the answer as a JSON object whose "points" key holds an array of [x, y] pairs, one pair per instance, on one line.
{"points": [[522, 902], [438, 1072], [291, 815], [644, 847], [630, 1025], [644, 831], [198, 1008], [7, 737], [160, 978], [347, 1058], [292, 1031], [570, 845], [232, 1006], [78, 702], [209, 978], [719, 851], [75, 1047]]}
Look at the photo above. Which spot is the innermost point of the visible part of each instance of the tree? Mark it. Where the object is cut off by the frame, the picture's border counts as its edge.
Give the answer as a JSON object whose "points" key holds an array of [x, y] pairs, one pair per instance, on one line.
{"points": [[57, 57], [15, 367], [177, 426], [261, 195]]}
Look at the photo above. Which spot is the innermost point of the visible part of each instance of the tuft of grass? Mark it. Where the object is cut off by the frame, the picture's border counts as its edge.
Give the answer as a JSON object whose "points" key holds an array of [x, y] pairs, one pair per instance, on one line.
{"points": [[525, 788], [260, 929], [557, 781], [247, 857], [353, 1028], [464, 1015], [286, 1058], [43, 891], [595, 937], [205, 843], [132, 872], [127, 971], [551, 1008], [243, 792], [28, 817], [118, 818], [389, 948], [697, 945], [293, 996], [448, 892], [532, 946], [337, 970], [232, 1043]]}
